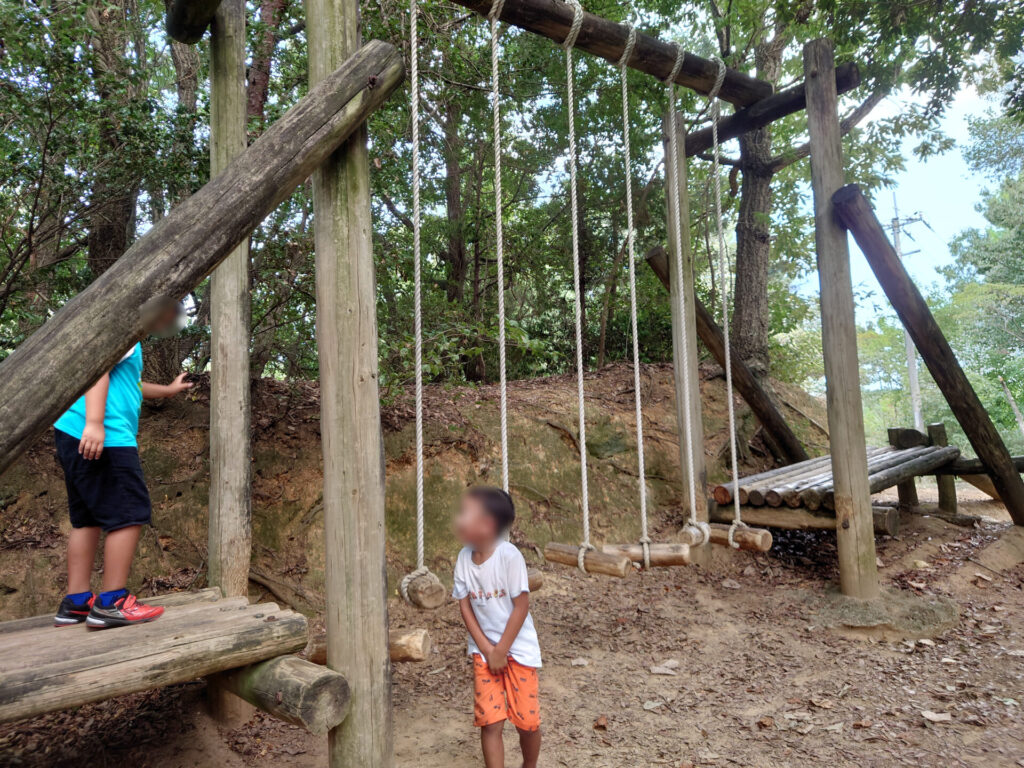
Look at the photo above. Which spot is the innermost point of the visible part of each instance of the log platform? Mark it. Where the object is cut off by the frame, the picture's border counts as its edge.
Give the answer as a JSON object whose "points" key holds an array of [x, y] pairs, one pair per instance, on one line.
{"points": [[802, 495], [44, 668]]}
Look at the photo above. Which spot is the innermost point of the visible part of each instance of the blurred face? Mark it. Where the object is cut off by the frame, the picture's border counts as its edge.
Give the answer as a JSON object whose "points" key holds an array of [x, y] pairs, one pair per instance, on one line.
{"points": [[473, 526], [168, 322]]}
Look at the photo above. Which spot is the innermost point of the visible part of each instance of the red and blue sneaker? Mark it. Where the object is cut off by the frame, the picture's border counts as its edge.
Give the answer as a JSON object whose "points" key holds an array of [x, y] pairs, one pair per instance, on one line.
{"points": [[122, 612], [71, 612]]}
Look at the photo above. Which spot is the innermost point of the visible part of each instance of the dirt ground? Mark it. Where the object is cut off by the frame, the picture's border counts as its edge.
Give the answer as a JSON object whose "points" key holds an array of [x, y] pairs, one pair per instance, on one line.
{"points": [[744, 674]]}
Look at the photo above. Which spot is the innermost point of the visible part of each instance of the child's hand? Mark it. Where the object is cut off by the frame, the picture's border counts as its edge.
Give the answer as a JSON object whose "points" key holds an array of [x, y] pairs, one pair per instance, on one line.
{"points": [[497, 660], [179, 385], [93, 436]]}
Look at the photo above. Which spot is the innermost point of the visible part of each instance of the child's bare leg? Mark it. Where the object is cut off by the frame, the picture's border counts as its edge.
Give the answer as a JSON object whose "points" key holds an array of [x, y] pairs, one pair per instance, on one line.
{"points": [[82, 545], [118, 553], [493, 746], [529, 743]]}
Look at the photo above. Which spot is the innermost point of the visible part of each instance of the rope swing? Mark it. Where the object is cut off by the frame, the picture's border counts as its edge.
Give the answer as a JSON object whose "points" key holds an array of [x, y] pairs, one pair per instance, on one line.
{"points": [[567, 44], [430, 583], [645, 539], [716, 110]]}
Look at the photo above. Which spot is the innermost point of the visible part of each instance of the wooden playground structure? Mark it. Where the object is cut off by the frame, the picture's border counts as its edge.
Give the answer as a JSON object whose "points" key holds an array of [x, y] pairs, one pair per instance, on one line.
{"points": [[244, 650]]}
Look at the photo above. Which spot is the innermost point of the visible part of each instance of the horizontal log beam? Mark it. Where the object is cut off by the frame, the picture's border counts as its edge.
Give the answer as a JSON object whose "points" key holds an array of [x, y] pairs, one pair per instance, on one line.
{"points": [[744, 380], [662, 555], [409, 644], [188, 20], [607, 39], [766, 111], [749, 539], [93, 330], [294, 690], [974, 466], [885, 519], [594, 561]]}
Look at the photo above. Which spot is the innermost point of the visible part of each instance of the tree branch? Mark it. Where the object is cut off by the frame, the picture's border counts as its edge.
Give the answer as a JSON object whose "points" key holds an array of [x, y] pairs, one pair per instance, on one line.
{"points": [[847, 124]]}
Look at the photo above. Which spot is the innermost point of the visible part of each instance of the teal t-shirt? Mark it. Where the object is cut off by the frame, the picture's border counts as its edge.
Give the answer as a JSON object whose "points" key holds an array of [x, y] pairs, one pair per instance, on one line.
{"points": [[124, 399]]}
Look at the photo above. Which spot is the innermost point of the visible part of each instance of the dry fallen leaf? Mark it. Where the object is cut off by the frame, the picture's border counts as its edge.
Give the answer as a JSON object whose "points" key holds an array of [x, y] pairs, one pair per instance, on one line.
{"points": [[766, 722], [863, 723], [652, 705], [936, 717], [822, 703], [730, 584], [663, 670], [601, 724], [579, 662]]}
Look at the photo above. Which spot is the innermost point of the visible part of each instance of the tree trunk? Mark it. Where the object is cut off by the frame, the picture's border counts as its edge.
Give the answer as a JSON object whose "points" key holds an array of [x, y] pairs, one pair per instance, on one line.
{"points": [[271, 12], [458, 264]]}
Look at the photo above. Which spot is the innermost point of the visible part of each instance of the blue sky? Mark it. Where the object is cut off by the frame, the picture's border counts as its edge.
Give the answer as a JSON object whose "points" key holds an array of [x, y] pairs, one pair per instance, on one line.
{"points": [[942, 189]]}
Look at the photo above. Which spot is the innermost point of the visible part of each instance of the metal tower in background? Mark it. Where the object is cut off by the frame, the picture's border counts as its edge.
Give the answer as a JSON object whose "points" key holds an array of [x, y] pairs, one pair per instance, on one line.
{"points": [[898, 225]]}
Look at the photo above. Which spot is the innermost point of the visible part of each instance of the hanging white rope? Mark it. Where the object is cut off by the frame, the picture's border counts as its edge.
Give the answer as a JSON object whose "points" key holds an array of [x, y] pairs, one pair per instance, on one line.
{"points": [[421, 568], [672, 164], [499, 243], [567, 44], [645, 540], [723, 277]]}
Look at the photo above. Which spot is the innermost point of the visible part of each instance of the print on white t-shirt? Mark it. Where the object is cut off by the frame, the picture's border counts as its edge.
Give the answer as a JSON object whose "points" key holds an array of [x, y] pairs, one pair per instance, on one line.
{"points": [[491, 587]]}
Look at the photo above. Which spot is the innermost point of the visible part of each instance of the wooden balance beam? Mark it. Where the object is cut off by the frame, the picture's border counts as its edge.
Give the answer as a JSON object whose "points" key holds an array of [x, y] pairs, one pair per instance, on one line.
{"points": [[59, 668], [91, 332], [678, 553]]}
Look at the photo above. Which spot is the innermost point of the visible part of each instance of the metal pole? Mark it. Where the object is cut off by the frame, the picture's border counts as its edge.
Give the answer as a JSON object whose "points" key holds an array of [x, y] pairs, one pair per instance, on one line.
{"points": [[912, 379]]}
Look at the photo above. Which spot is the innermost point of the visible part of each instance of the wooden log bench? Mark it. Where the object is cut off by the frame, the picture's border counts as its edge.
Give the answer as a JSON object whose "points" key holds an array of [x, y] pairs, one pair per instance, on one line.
{"points": [[44, 668], [801, 495]]}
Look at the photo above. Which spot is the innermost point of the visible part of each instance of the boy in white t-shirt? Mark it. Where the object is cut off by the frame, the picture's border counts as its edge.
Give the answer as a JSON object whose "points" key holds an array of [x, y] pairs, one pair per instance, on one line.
{"points": [[493, 591]]}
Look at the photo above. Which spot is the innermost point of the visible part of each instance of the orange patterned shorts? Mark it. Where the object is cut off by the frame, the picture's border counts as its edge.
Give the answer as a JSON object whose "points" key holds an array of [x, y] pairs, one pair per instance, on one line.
{"points": [[512, 695]]}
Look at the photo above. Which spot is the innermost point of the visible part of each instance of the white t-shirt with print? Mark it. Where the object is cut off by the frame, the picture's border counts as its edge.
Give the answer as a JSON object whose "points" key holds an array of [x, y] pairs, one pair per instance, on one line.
{"points": [[491, 586]]}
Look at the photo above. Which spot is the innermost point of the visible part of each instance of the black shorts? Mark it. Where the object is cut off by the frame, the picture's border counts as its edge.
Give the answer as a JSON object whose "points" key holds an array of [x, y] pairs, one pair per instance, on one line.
{"points": [[109, 492]]}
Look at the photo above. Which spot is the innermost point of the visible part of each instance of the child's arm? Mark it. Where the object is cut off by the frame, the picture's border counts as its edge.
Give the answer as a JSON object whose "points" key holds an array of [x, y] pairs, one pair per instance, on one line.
{"points": [[94, 435], [497, 659], [469, 618], [152, 391]]}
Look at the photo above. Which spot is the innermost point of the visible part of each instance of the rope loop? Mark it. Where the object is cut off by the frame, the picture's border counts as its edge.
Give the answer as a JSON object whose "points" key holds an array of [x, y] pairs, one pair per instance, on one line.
{"points": [[577, 24], [701, 528], [585, 546], [496, 8], [409, 578], [736, 524], [719, 79], [645, 544], [627, 52], [677, 67]]}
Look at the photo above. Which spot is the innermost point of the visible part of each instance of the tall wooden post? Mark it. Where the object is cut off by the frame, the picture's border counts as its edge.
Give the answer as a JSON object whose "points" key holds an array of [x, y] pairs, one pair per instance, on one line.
{"points": [[230, 534], [684, 330], [353, 445], [858, 571]]}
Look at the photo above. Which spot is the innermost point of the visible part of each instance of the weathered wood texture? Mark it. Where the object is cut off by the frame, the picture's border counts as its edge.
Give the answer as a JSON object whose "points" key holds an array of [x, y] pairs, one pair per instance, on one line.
{"points": [[855, 542], [766, 111], [856, 213], [884, 519], [352, 440], [604, 38], [187, 20], [536, 578], [684, 331], [975, 466], [230, 533], [749, 539], [662, 554], [946, 483], [171, 599], [87, 337], [409, 644], [905, 437], [743, 378], [294, 690], [907, 490], [595, 561], [426, 591], [75, 666]]}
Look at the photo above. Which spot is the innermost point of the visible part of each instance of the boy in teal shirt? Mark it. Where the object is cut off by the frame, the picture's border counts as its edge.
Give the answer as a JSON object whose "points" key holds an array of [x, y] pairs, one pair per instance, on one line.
{"points": [[98, 451]]}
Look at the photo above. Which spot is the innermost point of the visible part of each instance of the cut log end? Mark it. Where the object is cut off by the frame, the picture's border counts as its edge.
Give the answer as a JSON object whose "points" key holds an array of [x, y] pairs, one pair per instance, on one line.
{"points": [[426, 591], [536, 578], [409, 645], [594, 561]]}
